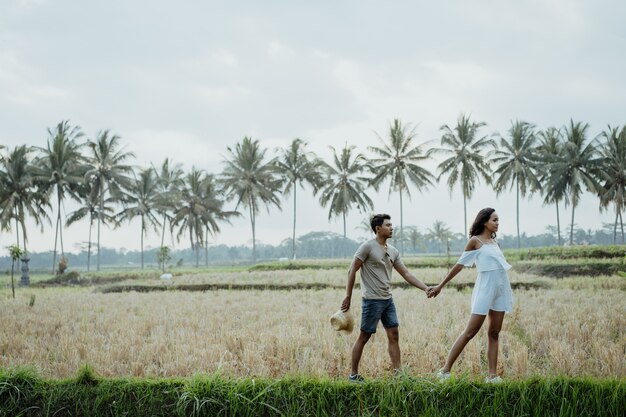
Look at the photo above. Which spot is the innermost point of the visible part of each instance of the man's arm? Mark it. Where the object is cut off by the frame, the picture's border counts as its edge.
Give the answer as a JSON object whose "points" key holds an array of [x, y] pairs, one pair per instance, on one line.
{"points": [[410, 278], [356, 265]]}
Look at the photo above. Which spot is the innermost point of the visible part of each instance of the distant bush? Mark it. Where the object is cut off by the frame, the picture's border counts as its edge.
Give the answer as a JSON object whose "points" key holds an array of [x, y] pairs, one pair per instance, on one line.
{"points": [[560, 269], [567, 252], [74, 278]]}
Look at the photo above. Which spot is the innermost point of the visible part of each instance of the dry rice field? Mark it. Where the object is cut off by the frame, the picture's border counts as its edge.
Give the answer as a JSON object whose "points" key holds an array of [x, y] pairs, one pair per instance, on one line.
{"points": [[575, 328]]}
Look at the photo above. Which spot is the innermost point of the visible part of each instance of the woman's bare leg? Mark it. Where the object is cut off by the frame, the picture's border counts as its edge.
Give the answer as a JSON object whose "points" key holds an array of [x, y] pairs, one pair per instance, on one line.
{"points": [[495, 325], [474, 325]]}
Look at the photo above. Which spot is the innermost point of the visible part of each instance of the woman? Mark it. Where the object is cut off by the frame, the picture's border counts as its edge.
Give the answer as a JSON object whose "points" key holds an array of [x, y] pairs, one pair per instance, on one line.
{"points": [[492, 295]]}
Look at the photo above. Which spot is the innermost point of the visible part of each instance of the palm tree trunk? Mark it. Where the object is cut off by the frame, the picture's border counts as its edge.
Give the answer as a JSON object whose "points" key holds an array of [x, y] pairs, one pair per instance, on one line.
{"points": [[24, 238], [517, 201], [163, 237], [142, 226], [293, 235], [344, 224], [401, 226], [558, 224], [193, 246], [163, 229], [206, 247], [61, 236], [89, 242], [60, 226], [99, 221], [252, 222], [466, 230], [56, 234], [615, 228], [571, 230], [12, 279], [17, 229]]}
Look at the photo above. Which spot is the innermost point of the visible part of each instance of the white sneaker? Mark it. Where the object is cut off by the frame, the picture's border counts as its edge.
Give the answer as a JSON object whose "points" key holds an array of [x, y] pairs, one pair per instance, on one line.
{"points": [[443, 376], [493, 380]]}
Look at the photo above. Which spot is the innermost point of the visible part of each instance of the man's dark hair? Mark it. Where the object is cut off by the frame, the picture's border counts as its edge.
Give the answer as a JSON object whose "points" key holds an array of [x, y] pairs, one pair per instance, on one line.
{"points": [[378, 220]]}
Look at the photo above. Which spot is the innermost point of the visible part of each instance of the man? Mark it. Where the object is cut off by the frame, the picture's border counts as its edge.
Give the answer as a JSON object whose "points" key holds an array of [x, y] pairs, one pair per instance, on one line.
{"points": [[375, 259]]}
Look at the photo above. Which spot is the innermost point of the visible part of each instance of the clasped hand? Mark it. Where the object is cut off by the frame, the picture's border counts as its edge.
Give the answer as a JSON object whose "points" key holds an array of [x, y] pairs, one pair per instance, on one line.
{"points": [[432, 292]]}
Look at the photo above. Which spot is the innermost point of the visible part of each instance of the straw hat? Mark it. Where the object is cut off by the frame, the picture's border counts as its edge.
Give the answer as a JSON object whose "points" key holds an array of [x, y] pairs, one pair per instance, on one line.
{"points": [[342, 321]]}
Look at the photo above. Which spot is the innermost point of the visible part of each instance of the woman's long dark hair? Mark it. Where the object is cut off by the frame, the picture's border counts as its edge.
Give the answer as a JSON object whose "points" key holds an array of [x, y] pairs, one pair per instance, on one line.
{"points": [[479, 223]]}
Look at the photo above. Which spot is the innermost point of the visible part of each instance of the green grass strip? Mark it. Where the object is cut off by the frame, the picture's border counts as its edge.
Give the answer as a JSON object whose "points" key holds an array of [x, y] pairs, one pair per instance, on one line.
{"points": [[568, 268], [23, 393]]}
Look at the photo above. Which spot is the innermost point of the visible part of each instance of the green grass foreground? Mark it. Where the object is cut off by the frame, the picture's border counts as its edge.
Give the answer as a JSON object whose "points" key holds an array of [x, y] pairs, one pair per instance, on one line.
{"points": [[23, 393]]}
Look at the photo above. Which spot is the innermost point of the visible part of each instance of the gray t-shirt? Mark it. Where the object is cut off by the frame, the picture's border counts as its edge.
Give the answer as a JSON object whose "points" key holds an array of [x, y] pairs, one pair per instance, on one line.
{"points": [[376, 269]]}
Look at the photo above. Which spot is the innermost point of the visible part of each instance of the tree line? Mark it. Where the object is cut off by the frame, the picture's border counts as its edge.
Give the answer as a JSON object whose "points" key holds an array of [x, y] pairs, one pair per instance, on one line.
{"points": [[435, 241], [559, 163]]}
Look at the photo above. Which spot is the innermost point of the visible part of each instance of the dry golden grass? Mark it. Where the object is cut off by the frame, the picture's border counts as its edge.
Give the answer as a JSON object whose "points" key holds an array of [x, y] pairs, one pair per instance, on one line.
{"points": [[573, 329]]}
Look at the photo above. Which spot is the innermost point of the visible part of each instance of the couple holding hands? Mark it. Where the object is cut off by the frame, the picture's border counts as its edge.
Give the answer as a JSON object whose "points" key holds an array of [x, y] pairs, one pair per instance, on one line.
{"points": [[492, 295]]}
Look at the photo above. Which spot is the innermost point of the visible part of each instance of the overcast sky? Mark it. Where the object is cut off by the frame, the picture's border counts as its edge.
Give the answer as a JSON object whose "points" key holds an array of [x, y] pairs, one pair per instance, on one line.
{"points": [[185, 79]]}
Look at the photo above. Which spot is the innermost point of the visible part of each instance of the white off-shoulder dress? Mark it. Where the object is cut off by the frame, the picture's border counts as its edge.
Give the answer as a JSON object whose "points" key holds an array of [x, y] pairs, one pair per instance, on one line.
{"points": [[492, 290]]}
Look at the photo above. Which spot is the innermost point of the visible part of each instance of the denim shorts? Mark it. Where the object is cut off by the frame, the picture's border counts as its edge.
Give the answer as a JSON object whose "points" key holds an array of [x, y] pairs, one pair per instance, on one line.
{"points": [[373, 311]]}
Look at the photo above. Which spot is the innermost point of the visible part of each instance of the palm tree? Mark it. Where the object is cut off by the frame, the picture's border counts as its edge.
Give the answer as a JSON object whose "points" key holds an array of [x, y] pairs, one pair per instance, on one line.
{"points": [[251, 180], [91, 207], [200, 209], [141, 201], [188, 213], [298, 166], [169, 186], [60, 169], [107, 173], [344, 187], [465, 160], [414, 237], [399, 161], [613, 150], [16, 253], [366, 228], [517, 163], [213, 203], [20, 195], [577, 164], [550, 145], [440, 233]]}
